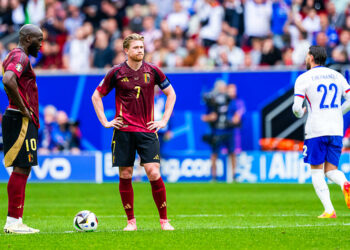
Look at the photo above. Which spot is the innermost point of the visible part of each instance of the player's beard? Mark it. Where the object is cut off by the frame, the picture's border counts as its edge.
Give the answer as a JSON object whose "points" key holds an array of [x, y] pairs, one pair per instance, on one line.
{"points": [[308, 66], [33, 50], [137, 57]]}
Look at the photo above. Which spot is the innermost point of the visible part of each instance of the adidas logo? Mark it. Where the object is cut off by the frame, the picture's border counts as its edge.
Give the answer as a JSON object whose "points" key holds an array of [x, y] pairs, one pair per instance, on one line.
{"points": [[125, 79], [156, 157], [127, 206], [163, 205]]}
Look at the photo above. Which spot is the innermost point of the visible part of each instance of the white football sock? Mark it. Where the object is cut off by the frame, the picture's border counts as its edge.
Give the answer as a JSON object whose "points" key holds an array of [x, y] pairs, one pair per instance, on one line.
{"points": [[10, 220], [337, 177], [321, 188]]}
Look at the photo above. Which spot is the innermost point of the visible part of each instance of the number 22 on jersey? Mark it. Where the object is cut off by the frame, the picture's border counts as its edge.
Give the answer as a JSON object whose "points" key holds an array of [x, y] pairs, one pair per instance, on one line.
{"points": [[323, 88]]}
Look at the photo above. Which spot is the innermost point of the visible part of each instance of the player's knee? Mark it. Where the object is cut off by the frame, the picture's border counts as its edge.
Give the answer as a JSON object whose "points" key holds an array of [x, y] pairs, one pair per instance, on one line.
{"points": [[329, 166], [153, 175], [25, 171], [125, 174]]}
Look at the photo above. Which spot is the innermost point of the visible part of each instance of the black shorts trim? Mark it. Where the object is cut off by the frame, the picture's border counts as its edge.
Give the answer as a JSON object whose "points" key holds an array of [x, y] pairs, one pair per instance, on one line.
{"points": [[126, 144], [20, 138]]}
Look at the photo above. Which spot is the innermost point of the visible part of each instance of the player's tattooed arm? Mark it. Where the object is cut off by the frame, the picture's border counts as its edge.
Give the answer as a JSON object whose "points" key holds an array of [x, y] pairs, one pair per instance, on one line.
{"points": [[169, 106], [11, 87], [98, 106]]}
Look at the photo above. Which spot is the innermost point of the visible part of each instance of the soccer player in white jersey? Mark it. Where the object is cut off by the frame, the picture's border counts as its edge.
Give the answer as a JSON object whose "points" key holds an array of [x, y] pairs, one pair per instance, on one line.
{"points": [[323, 89]]}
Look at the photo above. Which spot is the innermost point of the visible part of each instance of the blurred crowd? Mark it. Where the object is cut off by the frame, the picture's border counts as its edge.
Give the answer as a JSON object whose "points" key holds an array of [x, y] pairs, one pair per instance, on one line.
{"points": [[84, 34], [57, 133]]}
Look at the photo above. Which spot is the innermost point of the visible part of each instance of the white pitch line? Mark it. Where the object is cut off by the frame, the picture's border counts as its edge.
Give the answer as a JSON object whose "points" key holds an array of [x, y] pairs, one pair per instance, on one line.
{"points": [[279, 226], [189, 215], [240, 215], [212, 228]]}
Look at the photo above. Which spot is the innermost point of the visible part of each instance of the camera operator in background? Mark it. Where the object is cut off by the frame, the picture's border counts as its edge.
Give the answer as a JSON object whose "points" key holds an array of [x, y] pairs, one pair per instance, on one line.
{"points": [[223, 114], [236, 112]]}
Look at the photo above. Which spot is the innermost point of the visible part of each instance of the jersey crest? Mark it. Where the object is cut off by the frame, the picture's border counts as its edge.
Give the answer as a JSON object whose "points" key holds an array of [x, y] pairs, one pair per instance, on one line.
{"points": [[147, 77]]}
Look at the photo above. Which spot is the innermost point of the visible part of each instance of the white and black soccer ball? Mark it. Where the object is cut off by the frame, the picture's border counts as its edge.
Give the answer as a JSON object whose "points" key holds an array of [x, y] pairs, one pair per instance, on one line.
{"points": [[85, 221]]}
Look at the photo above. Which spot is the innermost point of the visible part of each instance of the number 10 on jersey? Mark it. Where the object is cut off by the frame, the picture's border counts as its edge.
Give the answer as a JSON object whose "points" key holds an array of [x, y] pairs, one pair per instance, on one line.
{"points": [[31, 143]]}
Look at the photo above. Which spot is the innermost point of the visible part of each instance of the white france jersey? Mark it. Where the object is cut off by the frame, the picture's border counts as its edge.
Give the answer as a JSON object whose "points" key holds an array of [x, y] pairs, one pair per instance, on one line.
{"points": [[323, 89]]}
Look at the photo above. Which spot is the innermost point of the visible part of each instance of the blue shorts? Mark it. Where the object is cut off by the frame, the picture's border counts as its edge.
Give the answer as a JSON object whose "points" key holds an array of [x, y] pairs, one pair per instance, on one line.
{"points": [[320, 149], [223, 140]]}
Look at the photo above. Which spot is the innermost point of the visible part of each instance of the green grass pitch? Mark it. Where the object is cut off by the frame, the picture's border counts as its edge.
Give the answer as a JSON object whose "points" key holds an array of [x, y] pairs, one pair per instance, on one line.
{"points": [[205, 216]]}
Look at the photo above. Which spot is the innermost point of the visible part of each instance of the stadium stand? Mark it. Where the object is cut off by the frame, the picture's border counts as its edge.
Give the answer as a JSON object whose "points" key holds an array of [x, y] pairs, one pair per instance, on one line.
{"points": [[203, 33]]}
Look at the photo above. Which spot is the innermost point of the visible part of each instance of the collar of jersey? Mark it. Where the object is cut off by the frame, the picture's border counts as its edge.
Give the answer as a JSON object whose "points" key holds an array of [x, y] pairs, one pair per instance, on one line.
{"points": [[129, 68]]}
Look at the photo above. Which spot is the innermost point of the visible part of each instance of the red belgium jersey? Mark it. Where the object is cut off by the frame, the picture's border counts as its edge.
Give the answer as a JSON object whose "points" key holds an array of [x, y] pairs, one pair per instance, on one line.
{"points": [[18, 62], [134, 93]]}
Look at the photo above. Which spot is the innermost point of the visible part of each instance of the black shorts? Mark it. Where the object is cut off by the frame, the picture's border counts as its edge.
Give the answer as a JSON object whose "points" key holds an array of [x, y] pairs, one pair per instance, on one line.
{"points": [[125, 145], [20, 140]]}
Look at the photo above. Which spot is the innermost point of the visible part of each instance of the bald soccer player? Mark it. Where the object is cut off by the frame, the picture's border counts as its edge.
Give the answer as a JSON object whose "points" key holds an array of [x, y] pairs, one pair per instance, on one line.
{"points": [[20, 123]]}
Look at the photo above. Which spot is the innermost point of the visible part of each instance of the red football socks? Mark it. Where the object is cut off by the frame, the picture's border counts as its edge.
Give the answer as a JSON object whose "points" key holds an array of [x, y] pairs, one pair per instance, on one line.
{"points": [[127, 195], [23, 195], [159, 196], [16, 192]]}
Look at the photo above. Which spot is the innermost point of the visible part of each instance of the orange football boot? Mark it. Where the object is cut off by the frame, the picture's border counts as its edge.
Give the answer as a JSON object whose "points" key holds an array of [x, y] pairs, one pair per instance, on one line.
{"points": [[346, 191], [328, 216]]}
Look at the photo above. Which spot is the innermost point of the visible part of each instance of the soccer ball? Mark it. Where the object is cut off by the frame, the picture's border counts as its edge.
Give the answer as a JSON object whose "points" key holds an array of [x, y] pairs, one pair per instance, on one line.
{"points": [[85, 221]]}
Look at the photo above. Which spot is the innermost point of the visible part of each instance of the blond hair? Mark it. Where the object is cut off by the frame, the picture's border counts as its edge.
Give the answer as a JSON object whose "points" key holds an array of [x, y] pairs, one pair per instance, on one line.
{"points": [[130, 38]]}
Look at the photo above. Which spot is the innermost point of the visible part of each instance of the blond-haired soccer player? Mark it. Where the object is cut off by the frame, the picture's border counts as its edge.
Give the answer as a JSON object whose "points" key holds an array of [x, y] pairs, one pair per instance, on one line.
{"points": [[323, 89], [134, 127]]}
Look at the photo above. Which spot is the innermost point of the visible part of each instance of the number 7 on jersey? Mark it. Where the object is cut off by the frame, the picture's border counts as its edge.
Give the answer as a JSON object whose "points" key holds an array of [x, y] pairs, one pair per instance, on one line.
{"points": [[138, 88]]}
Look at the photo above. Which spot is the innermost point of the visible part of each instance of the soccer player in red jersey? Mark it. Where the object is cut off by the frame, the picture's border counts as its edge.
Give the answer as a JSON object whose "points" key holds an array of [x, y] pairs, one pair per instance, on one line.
{"points": [[20, 123], [134, 125]]}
